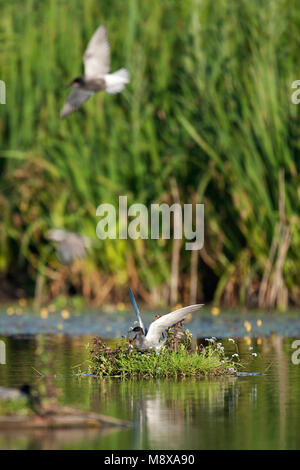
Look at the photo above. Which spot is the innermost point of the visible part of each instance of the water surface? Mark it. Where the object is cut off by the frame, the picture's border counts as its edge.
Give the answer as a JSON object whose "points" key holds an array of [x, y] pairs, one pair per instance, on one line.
{"points": [[249, 412]]}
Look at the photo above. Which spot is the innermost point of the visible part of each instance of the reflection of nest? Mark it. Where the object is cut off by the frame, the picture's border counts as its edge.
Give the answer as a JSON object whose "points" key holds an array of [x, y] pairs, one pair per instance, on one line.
{"points": [[52, 439]]}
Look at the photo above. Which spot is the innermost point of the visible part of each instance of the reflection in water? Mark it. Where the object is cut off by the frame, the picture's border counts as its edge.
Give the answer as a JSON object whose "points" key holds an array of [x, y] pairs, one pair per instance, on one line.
{"points": [[253, 412], [52, 439], [167, 411]]}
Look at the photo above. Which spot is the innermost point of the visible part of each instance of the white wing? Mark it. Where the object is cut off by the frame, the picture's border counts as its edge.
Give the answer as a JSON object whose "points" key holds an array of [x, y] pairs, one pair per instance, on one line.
{"points": [[97, 55], [166, 321]]}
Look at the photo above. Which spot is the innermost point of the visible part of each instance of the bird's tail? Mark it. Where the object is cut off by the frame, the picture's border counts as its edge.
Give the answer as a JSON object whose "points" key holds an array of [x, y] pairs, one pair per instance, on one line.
{"points": [[115, 82]]}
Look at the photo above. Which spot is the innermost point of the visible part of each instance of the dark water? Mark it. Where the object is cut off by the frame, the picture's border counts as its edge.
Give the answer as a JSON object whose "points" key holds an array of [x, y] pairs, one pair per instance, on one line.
{"points": [[249, 412]]}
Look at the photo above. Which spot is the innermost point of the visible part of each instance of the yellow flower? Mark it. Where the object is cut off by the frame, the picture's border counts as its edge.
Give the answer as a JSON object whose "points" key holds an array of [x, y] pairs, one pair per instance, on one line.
{"points": [[65, 314], [178, 306], [259, 341], [259, 322], [60, 326], [247, 326], [22, 302], [215, 311], [19, 311], [10, 311], [44, 313], [121, 306], [248, 340]]}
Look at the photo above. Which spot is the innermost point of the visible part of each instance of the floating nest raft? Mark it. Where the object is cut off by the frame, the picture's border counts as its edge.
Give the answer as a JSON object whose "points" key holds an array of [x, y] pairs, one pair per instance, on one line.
{"points": [[62, 418]]}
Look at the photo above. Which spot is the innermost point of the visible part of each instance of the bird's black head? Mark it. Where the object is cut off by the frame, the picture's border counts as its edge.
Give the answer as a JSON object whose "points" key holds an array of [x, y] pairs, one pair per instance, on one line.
{"points": [[78, 81], [137, 329], [26, 389]]}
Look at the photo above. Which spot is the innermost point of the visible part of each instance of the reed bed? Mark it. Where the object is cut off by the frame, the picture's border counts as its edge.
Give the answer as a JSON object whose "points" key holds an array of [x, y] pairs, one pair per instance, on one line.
{"points": [[207, 118]]}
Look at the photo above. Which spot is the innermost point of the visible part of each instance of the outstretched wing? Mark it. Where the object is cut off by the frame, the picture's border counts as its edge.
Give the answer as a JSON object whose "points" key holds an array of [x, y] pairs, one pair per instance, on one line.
{"points": [[136, 309], [97, 55], [76, 98], [166, 321]]}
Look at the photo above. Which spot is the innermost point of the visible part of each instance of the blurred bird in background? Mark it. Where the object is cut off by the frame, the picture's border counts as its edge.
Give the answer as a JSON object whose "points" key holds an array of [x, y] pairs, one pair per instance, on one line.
{"points": [[69, 245]]}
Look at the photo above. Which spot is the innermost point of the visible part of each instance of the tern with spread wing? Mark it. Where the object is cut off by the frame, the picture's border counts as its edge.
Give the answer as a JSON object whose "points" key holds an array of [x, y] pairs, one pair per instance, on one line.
{"points": [[151, 339], [96, 74]]}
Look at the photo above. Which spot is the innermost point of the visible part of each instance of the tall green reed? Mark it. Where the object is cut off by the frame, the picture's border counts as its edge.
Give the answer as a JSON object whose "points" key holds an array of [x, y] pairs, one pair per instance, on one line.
{"points": [[208, 107]]}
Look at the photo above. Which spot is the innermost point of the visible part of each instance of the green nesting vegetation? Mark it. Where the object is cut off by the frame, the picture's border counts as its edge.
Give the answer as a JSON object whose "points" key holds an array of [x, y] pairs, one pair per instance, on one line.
{"points": [[175, 359]]}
